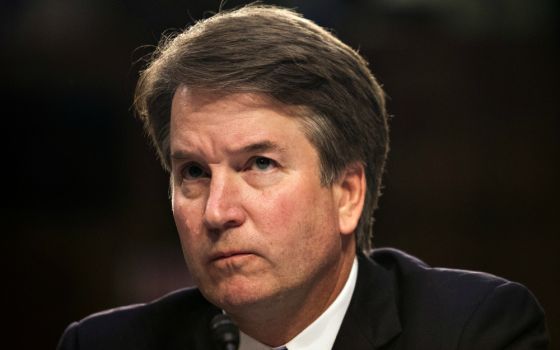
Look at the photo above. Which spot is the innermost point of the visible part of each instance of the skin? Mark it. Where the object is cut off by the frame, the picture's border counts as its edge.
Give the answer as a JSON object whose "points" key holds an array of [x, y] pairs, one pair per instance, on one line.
{"points": [[263, 239]]}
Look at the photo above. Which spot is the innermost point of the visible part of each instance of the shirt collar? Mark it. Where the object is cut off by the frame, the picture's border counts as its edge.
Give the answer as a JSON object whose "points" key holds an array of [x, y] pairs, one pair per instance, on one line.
{"points": [[322, 332]]}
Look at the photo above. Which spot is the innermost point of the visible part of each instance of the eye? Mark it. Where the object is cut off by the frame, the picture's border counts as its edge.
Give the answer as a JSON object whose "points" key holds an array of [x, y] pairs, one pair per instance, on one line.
{"points": [[193, 171], [263, 163]]}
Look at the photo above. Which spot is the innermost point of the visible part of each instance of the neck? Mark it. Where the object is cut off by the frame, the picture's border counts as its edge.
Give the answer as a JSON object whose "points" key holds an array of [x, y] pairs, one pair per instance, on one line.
{"points": [[275, 322]]}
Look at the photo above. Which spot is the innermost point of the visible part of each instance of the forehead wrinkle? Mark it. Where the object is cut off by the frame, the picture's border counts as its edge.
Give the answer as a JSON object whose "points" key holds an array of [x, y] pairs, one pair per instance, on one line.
{"points": [[194, 147], [254, 147], [251, 148], [190, 107], [260, 146]]}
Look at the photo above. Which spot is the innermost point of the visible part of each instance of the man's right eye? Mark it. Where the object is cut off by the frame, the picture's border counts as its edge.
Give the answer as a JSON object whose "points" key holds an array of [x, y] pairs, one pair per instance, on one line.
{"points": [[193, 172]]}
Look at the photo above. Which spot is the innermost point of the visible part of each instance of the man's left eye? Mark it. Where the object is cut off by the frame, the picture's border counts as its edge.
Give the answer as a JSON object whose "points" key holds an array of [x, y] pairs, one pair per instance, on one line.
{"points": [[263, 163]]}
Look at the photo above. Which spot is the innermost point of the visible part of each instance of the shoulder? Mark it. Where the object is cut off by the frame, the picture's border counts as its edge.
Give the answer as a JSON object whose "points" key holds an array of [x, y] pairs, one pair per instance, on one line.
{"points": [[469, 307], [417, 277], [140, 326], [177, 303]]}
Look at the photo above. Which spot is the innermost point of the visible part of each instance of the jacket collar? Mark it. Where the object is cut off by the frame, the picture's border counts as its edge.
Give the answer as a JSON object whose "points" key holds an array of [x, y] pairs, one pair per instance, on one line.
{"points": [[372, 318]]}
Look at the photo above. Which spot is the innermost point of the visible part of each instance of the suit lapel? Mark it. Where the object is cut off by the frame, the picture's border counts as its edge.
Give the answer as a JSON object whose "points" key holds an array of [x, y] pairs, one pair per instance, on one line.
{"points": [[187, 324], [371, 320]]}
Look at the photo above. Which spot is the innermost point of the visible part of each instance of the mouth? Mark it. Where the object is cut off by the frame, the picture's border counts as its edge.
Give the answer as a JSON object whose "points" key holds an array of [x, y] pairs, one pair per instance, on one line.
{"points": [[229, 255]]}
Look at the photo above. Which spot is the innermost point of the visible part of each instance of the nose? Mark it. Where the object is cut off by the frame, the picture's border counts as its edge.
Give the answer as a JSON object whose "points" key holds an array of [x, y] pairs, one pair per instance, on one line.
{"points": [[224, 209]]}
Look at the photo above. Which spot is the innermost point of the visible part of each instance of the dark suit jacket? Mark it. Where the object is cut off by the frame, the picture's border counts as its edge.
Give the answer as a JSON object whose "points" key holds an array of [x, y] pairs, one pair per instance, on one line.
{"points": [[398, 303]]}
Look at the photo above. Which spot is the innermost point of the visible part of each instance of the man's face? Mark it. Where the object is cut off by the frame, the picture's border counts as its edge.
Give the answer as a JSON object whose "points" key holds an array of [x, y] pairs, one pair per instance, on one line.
{"points": [[255, 223]]}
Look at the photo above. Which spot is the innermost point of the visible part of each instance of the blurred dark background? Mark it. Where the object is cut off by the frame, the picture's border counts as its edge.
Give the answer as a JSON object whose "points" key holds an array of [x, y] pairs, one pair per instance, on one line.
{"points": [[472, 179]]}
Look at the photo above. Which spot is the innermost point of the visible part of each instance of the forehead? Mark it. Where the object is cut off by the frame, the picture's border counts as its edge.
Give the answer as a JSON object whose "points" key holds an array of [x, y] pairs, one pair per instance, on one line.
{"points": [[204, 117]]}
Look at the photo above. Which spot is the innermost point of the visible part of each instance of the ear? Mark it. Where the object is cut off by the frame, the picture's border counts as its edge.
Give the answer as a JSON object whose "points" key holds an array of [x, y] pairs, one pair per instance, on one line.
{"points": [[351, 193]]}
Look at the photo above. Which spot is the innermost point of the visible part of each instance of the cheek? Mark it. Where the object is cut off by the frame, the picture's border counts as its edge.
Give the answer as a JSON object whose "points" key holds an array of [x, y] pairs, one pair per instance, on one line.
{"points": [[188, 219], [278, 207], [299, 212]]}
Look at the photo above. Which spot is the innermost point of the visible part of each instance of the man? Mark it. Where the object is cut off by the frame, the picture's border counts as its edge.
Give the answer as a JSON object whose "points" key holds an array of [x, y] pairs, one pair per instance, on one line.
{"points": [[275, 135]]}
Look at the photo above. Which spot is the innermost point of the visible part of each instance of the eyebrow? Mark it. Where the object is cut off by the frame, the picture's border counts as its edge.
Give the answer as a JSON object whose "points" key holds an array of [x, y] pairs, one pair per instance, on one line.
{"points": [[264, 146], [257, 147]]}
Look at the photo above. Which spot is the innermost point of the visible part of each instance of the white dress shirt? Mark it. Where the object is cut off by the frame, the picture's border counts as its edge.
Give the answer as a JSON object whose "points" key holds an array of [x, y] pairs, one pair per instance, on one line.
{"points": [[321, 333]]}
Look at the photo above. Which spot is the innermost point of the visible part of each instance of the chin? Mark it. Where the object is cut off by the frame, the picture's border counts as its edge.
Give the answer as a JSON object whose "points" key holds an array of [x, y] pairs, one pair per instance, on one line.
{"points": [[232, 296]]}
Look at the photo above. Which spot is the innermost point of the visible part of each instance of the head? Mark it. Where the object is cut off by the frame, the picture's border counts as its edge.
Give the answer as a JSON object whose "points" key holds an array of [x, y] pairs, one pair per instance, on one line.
{"points": [[277, 53]]}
